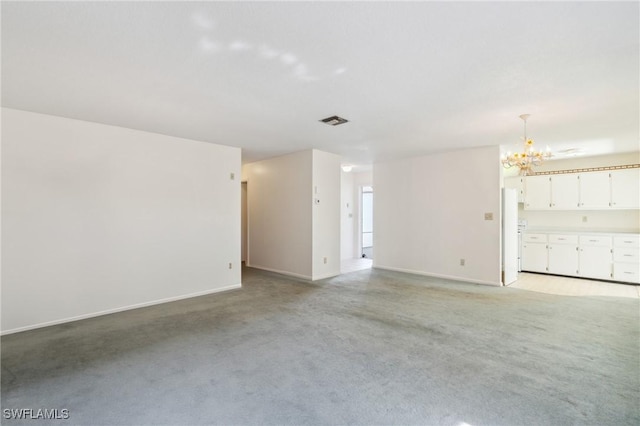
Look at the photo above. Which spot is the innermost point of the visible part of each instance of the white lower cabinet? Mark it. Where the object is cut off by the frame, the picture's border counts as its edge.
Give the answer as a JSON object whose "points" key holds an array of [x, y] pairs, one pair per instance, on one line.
{"points": [[626, 272], [605, 257], [595, 257], [534, 257], [563, 254], [626, 259], [534, 252]]}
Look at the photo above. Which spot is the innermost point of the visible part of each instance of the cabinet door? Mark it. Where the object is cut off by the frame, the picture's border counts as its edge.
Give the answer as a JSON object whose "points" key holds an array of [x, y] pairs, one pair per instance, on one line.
{"points": [[537, 193], [595, 190], [565, 192], [625, 189], [626, 272], [534, 257], [517, 183], [595, 262], [563, 259]]}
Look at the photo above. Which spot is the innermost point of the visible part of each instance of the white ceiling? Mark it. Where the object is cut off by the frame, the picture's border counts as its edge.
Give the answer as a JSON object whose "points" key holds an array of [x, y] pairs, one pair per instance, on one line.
{"points": [[412, 78]]}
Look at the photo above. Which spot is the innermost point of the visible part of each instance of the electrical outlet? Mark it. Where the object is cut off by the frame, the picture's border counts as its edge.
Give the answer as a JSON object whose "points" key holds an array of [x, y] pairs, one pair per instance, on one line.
{"points": [[584, 218], [325, 260], [232, 176], [488, 216], [461, 262], [230, 265]]}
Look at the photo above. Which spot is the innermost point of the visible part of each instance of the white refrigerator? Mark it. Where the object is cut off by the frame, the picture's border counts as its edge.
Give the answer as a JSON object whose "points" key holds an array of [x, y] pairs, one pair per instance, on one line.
{"points": [[509, 235]]}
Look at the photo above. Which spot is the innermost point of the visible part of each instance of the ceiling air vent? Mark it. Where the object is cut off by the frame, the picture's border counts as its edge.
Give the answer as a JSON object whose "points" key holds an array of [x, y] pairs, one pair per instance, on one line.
{"points": [[334, 120]]}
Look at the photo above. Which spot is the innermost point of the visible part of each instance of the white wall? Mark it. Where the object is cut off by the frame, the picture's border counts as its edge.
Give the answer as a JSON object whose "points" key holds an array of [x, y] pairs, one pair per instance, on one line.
{"points": [[289, 232], [613, 220], [429, 214], [597, 220], [98, 219], [326, 215], [280, 205]]}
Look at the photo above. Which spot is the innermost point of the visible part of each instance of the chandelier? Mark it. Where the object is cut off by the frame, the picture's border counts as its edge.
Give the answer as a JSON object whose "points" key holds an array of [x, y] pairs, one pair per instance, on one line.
{"points": [[529, 157]]}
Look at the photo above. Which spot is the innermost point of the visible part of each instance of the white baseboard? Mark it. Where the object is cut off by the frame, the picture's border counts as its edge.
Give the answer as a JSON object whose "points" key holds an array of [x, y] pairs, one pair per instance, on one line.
{"points": [[322, 277], [448, 277], [121, 309], [277, 271], [293, 274]]}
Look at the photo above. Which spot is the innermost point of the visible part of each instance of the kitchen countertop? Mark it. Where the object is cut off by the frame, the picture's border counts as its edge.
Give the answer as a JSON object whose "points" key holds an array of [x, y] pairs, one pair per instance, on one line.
{"points": [[581, 231]]}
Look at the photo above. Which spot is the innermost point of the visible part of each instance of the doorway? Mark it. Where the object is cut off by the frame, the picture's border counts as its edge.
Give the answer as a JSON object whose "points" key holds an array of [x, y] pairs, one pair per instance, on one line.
{"points": [[244, 222], [366, 221]]}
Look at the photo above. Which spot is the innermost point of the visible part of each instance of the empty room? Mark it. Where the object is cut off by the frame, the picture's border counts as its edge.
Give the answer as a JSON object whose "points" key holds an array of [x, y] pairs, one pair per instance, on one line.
{"points": [[320, 213]]}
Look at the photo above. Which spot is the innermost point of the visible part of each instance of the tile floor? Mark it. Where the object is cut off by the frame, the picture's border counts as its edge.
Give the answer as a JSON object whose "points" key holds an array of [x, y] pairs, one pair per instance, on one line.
{"points": [[567, 286], [352, 265], [550, 284]]}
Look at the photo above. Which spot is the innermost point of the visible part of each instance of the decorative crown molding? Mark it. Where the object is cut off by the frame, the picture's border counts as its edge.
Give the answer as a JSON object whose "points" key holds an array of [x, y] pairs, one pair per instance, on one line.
{"points": [[588, 169]]}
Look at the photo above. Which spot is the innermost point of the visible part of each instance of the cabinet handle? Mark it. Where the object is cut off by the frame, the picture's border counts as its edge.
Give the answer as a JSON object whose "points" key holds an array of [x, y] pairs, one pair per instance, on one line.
{"points": [[593, 241], [627, 255]]}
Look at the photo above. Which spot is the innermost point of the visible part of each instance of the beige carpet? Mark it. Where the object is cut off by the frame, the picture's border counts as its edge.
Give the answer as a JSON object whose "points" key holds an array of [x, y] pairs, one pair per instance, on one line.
{"points": [[366, 348]]}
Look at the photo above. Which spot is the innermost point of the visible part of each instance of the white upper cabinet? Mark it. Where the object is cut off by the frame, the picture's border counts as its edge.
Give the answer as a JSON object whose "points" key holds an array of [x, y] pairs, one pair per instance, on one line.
{"points": [[595, 189], [600, 190], [625, 189], [517, 183], [537, 193], [565, 192]]}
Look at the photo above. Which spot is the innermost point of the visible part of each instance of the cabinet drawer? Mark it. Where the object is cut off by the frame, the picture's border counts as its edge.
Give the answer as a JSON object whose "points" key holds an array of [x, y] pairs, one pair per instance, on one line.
{"points": [[595, 240], [563, 239], [630, 241], [627, 255], [627, 272], [534, 238]]}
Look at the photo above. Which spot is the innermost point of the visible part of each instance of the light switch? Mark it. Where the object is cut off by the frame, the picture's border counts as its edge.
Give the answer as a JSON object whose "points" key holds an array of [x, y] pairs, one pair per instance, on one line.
{"points": [[488, 216]]}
